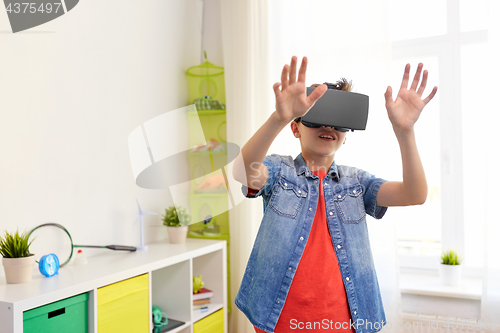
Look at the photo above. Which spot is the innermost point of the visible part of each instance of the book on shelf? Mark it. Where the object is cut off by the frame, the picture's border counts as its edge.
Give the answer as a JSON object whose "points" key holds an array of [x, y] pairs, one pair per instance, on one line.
{"points": [[202, 294], [201, 301], [200, 307]]}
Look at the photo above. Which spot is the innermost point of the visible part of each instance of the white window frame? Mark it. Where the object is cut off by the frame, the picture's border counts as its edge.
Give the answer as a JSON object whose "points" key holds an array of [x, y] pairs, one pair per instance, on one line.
{"points": [[447, 49]]}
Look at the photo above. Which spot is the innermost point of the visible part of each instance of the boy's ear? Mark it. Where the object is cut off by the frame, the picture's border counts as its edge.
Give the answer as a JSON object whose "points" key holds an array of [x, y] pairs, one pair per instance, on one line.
{"points": [[295, 129]]}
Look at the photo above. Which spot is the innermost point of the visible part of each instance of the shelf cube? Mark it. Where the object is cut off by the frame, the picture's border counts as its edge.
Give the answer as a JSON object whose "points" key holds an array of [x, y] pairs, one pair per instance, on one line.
{"points": [[67, 315], [124, 306]]}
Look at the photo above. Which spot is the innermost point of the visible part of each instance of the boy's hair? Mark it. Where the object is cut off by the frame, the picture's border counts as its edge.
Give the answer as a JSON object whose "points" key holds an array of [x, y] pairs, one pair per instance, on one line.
{"points": [[341, 84]]}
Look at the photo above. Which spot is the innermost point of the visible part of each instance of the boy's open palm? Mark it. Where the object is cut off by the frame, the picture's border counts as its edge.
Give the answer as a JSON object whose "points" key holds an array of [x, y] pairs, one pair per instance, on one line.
{"points": [[292, 100], [405, 110]]}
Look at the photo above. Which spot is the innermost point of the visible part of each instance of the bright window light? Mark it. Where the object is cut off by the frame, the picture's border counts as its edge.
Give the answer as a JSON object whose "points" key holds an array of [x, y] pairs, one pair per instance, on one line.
{"points": [[410, 19], [474, 115], [419, 227], [473, 15]]}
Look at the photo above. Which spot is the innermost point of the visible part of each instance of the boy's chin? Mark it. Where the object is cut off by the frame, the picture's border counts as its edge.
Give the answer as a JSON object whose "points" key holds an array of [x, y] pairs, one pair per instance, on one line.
{"points": [[328, 149], [324, 152]]}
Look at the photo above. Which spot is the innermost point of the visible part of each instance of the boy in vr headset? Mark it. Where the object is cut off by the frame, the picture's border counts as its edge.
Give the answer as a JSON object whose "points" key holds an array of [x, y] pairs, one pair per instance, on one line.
{"points": [[311, 263]]}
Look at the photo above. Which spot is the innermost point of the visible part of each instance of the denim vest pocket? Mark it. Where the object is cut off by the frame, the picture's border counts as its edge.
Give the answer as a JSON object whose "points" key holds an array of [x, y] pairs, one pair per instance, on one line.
{"points": [[350, 204], [287, 198]]}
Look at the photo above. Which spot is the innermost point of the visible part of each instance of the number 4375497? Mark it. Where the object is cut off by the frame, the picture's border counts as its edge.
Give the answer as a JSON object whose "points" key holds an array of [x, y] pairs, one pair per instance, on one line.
{"points": [[25, 7]]}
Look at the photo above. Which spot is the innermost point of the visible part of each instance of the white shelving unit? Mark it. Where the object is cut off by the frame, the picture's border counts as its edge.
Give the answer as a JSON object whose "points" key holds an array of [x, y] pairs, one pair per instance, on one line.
{"points": [[170, 268]]}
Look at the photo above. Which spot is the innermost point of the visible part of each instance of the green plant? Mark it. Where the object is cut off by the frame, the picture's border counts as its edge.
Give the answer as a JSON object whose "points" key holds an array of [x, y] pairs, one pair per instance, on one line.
{"points": [[15, 245], [176, 216], [450, 257]]}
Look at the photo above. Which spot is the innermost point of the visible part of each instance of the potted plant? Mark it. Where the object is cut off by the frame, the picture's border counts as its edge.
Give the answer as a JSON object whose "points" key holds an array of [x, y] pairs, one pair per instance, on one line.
{"points": [[17, 260], [176, 219], [450, 269]]}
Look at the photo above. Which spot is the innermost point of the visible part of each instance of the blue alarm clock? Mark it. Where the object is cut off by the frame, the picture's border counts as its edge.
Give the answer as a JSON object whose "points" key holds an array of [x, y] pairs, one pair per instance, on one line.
{"points": [[49, 265]]}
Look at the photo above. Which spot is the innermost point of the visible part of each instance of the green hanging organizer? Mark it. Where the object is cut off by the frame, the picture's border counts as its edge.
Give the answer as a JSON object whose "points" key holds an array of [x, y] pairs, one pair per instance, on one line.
{"points": [[207, 93], [206, 84]]}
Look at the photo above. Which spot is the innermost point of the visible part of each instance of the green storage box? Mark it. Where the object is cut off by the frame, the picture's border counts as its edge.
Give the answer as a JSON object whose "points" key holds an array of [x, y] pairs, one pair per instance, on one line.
{"points": [[67, 315]]}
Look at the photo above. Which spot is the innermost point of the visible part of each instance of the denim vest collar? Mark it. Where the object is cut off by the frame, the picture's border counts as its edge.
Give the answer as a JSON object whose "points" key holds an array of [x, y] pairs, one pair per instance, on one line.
{"points": [[302, 168]]}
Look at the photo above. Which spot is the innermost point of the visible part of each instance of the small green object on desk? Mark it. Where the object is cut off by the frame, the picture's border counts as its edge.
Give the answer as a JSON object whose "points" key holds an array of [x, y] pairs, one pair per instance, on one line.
{"points": [[450, 257], [176, 216], [159, 318], [197, 284]]}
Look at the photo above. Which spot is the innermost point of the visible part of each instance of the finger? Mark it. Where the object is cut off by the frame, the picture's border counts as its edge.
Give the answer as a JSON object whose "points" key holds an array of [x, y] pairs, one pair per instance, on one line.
{"points": [[302, 70], [284, 77], [431, 95], [293, 70], [406, 76], [317, 93], [416, 79], [276, 88], [388, 96], [423, 84]]}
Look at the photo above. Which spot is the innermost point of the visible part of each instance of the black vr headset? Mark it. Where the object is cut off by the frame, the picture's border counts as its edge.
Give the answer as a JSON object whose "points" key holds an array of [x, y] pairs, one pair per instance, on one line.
{"points": [[343, 110]]}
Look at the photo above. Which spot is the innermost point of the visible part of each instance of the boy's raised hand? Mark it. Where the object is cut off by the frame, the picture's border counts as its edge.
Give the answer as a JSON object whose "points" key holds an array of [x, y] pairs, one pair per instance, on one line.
{"points": [[405, 110], [292, 100]]}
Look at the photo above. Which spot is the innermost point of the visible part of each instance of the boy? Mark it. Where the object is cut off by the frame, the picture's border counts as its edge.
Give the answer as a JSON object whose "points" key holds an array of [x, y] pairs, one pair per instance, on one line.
{"points": [[312, 248]]}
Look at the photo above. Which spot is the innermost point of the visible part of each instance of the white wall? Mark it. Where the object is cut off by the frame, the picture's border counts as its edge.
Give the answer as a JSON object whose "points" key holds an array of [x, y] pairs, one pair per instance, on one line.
{"points": [[212, 32], [71, 91]]}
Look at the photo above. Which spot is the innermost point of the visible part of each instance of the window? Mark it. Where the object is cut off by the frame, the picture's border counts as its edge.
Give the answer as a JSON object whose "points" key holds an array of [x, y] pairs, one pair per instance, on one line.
{"points": [[450, 38], [418, 226], [452, 46]]}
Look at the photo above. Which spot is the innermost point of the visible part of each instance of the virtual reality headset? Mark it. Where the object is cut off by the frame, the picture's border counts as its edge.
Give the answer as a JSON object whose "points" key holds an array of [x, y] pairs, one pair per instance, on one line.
{"points": [[339, 109]]}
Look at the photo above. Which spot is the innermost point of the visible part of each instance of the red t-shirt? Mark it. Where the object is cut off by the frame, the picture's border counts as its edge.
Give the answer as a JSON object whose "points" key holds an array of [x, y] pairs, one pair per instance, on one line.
{"points": [[316, 301]]}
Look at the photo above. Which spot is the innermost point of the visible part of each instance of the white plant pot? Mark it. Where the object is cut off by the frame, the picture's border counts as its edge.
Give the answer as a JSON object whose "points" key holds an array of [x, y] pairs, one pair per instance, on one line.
{"points": [[177, 235], [450, 275], [18, 270]]}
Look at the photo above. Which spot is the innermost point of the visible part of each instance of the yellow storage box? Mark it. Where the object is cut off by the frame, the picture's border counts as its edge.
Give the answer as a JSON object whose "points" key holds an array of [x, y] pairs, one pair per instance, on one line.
{"points": [[124, 306], [210, 324]]}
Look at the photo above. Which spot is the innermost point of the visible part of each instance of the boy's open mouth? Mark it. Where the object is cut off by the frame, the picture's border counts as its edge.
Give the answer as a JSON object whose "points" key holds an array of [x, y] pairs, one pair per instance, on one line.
{"points": [[327, 136]]}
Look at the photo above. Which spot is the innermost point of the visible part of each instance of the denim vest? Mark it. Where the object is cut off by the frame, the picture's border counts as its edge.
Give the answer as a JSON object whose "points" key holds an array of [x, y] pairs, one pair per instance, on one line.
{"points": [[290, 199]]}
